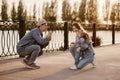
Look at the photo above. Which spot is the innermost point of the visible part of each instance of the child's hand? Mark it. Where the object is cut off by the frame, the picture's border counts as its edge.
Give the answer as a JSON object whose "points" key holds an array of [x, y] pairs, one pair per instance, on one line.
{"points": [[78, 50], [72, 44]]}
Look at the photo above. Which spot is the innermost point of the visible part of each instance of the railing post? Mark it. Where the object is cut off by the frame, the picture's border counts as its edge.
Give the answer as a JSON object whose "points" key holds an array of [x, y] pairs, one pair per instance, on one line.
{"points": [[113, 33], [22, 29], [65, 35], [94, 34]]}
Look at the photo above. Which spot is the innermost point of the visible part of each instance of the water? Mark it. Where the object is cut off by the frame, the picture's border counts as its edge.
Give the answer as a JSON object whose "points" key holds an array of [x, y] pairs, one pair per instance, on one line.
{"points": [[9, 40]]}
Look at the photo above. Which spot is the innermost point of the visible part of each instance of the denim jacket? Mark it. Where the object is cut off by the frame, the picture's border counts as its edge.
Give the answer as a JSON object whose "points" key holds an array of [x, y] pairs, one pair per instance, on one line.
{"points": [[33, 37], [85, 46]]}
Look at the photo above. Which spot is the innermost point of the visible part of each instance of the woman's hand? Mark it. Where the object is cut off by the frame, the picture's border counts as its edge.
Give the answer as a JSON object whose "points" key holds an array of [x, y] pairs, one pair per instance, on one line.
{"points": [[78, 50], [72, 44]]}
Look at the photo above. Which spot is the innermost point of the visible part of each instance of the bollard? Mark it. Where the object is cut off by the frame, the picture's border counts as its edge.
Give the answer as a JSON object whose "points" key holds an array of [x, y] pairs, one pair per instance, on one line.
{"points": [[94, 34], [22, 29], [113, 34], [65, 36]]}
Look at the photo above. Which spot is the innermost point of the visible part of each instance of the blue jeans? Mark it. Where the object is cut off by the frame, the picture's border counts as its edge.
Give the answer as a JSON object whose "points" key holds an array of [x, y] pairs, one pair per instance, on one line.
{"points": [[75, 55], [86, 60], [31, 52]]}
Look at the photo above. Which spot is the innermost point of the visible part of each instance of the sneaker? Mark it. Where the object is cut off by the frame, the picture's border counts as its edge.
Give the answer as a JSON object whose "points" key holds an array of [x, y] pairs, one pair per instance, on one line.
{"points": [[73, 67], [25, 62], [33, 66], [94, 62]]}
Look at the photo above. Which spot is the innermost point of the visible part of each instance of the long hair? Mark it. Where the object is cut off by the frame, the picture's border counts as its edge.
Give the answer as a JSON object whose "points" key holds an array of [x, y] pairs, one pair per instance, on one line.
{"points": [[84, 33]]}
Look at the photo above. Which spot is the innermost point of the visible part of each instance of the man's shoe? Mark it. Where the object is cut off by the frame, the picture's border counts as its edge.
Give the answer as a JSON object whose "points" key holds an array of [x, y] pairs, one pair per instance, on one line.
{"points": [[33, 66], [25, 62]]}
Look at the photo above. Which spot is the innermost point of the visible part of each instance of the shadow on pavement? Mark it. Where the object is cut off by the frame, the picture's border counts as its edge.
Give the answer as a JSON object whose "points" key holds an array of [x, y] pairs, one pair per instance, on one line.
{"points": [[63, 74], [16, 70]]}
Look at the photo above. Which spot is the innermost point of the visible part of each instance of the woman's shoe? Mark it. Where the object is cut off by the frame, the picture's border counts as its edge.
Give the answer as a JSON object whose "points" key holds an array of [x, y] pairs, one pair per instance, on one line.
{"points": [[73, 67]]}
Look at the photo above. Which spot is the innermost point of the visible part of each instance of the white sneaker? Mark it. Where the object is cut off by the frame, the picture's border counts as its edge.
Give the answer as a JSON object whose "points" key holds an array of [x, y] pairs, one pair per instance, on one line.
{"points": [[73, 67], [94, 62]]}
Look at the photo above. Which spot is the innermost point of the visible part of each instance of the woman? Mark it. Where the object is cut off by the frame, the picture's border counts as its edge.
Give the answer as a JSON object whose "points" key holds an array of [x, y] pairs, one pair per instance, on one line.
{"points": [[82, 49]]}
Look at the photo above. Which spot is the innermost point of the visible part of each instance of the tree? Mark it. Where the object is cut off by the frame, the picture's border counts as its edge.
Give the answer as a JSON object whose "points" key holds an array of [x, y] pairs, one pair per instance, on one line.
{"points": [[50, 11], [4, 14], [45, 11], [21, 14], [118, 11], [92, 14], [66, 11], [75, 14], [82, 11], [113, 14], [34, 12], [25, 15], [21, 19], [13, 13], [106, 9]]}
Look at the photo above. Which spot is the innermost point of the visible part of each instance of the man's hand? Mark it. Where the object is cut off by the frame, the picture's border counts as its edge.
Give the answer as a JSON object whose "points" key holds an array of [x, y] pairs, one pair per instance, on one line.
{"points": [[49, 35]]}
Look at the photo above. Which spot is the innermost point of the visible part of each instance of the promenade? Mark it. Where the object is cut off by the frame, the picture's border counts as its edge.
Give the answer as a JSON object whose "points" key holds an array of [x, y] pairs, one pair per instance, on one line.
{"points": [[56, 67]]}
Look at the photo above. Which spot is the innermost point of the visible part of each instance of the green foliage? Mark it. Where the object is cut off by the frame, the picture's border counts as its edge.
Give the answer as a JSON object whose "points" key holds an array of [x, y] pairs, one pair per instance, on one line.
{"points": [[92, 14], [13, 13], [115, 13], [34, 12], [82, 10], [21, 14], [61, 48], [112, 17], [66, 11], [98, 41], [106, 10], [4, 14], [55, 26], [50, 11]]}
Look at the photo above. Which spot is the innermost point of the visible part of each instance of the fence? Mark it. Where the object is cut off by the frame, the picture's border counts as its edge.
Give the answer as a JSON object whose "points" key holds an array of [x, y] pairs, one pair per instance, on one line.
{"points": [[10, 35]]}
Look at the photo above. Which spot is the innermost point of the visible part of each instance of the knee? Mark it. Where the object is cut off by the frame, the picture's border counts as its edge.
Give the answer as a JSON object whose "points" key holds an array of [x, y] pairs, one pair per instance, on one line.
{"points": [[40, 53], [77, 57], [38, 48]]}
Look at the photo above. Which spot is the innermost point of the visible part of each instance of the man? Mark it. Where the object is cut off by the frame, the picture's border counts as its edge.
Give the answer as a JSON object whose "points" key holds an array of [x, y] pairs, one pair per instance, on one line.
{"points": [[32, 43]]}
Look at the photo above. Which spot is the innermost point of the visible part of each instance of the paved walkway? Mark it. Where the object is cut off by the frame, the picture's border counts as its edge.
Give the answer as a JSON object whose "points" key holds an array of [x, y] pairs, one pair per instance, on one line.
{"points": [[56, 67]]}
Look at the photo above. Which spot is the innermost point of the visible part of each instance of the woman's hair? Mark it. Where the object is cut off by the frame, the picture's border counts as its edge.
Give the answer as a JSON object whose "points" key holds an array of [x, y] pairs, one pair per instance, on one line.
{"points": [[84, 33], [79, 26]]}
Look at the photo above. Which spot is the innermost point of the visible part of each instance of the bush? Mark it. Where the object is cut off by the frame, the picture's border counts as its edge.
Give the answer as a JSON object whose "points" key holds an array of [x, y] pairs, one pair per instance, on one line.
{"points": [[61, 48], [98, 41]]}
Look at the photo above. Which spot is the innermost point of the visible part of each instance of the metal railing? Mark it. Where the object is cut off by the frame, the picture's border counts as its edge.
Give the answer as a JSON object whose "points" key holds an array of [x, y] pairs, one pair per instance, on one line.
{"points": [[10, 35]]}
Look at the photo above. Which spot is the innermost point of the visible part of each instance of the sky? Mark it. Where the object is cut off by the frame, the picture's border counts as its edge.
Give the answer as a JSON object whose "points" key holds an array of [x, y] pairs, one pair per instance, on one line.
{"points": [[29, 3]]}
